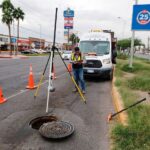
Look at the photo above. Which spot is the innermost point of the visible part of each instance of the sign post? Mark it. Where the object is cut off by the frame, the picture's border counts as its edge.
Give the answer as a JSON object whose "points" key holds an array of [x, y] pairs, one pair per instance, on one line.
{"points": [[132, 45], [140, 22], [68, 21]]}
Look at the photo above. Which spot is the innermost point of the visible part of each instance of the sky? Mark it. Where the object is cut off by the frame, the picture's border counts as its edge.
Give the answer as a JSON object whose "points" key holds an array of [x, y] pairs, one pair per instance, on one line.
{"points": [[115, 15]]}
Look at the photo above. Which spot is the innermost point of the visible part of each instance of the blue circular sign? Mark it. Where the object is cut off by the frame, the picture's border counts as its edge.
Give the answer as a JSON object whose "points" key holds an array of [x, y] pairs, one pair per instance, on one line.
{"points": [[143, 17]]}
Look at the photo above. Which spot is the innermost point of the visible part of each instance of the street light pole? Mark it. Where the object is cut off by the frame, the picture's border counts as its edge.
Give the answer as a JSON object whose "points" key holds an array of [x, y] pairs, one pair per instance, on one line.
{"points": [[40, 35], [14, 37], [132, 44], [124, 25], [148, 45]]}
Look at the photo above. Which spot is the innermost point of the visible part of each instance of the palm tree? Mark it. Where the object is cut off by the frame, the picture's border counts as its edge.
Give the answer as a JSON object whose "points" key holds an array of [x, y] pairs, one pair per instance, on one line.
{"points": [[7, 17], [74, 39], [18, 14]]}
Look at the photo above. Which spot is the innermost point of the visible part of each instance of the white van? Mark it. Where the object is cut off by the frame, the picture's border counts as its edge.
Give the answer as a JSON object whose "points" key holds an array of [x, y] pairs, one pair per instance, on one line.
{"points": [[97, 51]]}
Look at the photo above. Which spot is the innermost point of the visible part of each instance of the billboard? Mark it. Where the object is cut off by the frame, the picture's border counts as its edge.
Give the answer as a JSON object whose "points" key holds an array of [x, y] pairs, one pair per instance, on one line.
{"points": [[68, 27], [66, 32], [68, 19], [13, 40], [141, 17], [68, 13]]}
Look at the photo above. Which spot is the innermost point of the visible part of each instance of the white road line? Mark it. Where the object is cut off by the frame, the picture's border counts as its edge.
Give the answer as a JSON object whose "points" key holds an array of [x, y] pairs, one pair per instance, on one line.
{"points": [[24, 91], [16, 94]]}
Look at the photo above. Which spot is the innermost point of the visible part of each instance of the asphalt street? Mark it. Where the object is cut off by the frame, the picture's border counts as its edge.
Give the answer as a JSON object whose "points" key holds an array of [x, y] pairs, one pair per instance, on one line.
{"points": [[145, 56], [90, 120]]}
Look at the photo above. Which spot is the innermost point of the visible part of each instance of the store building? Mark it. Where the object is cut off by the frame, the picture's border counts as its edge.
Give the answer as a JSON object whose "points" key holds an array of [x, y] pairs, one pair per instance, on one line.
{"points": [[37, 43]]}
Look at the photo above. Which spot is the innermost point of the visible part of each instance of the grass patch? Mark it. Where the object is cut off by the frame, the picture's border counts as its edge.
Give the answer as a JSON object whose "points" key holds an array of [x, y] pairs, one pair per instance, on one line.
{"points": [[36, 54], [118, 82], [129, 138], [136, 67], [140, 83], [135, 136], [122, 56]]}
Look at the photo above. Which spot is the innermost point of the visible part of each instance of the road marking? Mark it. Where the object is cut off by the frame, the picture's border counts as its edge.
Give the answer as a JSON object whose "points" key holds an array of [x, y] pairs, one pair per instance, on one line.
{"points": [[24, 91]]}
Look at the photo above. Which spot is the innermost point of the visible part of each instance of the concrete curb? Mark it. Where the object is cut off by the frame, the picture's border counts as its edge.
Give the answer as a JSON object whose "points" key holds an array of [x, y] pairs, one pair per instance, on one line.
{"points": [[118, 103]]}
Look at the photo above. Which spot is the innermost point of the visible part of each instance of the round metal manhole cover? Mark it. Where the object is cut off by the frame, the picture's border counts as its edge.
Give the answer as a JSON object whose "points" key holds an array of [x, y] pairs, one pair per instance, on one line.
{"points": [[56, 130]]}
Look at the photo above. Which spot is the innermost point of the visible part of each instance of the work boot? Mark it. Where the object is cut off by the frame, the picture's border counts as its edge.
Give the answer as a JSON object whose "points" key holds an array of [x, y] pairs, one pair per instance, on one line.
{"points": [[83, 92], [74, 90]]}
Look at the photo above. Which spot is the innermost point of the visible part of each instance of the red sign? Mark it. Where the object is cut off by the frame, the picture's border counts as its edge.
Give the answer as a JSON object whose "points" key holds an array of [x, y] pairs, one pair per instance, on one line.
{"points": [[23, 41], [68, 24], [68, 18]]}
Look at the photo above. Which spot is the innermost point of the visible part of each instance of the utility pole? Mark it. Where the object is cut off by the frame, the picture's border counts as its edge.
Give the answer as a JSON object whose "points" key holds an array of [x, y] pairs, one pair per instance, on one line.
{"points": [[132, 45], [148, 44]]}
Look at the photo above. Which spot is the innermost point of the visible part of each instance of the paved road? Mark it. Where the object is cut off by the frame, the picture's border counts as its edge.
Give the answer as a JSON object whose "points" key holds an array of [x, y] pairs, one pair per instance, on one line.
{"points": [[14, 72], [91, 128], [145, 56]]}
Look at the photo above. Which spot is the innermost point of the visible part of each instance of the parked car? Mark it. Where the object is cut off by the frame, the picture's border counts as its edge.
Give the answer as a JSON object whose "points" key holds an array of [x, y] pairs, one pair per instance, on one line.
{"points": [[29, 51], [42, 51], [66, 55], [38, 51]]}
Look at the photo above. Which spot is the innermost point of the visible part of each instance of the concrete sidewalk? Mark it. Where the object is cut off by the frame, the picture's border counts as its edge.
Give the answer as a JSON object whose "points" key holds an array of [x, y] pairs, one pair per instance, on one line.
{"points": [[5, 54], [13, 56]]}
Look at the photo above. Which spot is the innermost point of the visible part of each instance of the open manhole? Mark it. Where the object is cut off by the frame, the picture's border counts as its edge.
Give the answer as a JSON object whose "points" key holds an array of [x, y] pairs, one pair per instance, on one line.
{"points": [[56, 130], [39, 121]]}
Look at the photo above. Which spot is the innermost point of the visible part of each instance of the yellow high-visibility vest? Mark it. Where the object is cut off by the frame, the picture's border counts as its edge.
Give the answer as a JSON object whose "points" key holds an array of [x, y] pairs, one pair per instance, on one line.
{"points": [[73, 58]]}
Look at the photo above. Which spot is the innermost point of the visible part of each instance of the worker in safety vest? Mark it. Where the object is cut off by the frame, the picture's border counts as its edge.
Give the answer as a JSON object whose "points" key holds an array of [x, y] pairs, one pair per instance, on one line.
{"points": [[77, 67]]}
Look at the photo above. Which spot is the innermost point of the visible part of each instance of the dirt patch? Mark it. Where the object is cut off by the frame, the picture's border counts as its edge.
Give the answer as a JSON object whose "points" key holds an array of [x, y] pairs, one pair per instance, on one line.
{"points": [[128, 75], [143, 95]]}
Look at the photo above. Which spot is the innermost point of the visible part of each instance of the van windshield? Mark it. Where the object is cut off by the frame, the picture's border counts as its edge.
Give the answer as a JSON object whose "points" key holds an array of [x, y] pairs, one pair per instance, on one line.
{"points": [[99, 47]]}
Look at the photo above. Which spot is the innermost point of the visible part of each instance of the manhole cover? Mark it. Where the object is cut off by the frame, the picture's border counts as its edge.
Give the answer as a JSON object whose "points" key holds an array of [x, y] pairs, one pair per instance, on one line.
{"points": [[56, 130], [37, 122]]}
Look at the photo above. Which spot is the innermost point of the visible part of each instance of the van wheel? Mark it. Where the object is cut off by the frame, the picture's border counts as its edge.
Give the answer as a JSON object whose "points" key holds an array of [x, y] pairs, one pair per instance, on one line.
{"points": [[110, 76]]}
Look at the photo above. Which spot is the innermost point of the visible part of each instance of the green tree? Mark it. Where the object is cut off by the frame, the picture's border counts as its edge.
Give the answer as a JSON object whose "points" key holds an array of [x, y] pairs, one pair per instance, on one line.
{"points": [[74, 39], [126, 43], [18, 14], [7, 17]]}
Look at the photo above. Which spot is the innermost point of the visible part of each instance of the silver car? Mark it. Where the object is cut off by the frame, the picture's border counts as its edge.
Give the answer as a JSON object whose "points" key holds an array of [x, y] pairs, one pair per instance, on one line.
{"points": [[66, 55]]}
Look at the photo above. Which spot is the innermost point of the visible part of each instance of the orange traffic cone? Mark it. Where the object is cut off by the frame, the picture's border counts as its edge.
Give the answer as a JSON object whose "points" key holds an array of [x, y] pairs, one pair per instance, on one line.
{"points": [[53, 73], [31, 80], [2, 99], [69, 67]]}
